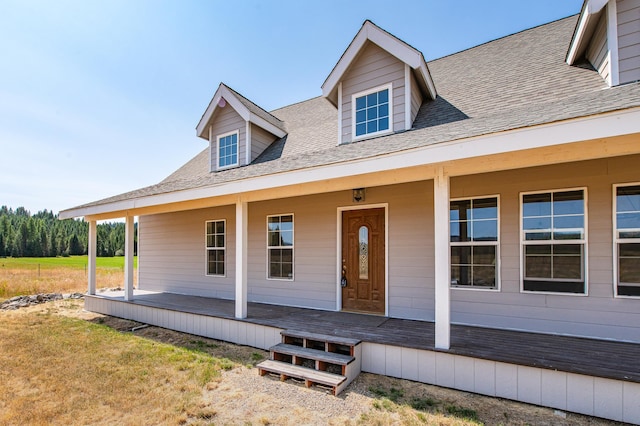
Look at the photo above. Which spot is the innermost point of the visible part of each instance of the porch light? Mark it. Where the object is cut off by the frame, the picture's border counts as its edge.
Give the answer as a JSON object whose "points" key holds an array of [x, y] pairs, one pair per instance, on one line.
{"points": [[222, 103], [358, 195]]}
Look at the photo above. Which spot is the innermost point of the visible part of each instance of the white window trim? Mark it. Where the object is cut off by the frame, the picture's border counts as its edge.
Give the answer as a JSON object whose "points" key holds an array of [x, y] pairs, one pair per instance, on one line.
{"points": [[584, 242], [353, 112], [292, 247], [218, 137], [498, 286], [617, 241], [207, 248]]}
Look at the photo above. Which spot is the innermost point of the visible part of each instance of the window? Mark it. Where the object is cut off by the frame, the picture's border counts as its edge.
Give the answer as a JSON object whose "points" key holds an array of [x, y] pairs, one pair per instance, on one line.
{"points": [[280, 247], [215, 236], [554, 241], [372, 112], [474, 242], [228, 150], [627, 240]]}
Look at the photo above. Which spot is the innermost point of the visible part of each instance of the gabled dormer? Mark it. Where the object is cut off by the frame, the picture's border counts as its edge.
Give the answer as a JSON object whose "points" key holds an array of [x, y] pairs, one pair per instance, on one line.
{"points": [[237, 129], [608, 35], [377, 85]]}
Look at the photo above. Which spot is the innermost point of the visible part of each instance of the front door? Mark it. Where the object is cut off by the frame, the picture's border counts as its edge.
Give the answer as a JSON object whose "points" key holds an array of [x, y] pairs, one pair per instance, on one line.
{"points": [[363, 257]]}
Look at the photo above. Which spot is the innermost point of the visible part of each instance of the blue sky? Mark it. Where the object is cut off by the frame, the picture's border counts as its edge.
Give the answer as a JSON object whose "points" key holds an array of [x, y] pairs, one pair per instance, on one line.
{"points": [[102, 97]]}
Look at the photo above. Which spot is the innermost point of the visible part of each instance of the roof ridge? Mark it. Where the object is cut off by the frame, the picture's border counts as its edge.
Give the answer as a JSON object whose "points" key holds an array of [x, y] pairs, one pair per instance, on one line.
{"points": [[235, 92]]}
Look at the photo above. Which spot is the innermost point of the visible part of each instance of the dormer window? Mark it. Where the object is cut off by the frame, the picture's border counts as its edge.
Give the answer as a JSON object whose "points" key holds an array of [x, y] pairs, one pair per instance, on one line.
{"points": [[372, 111], [228, 150]]}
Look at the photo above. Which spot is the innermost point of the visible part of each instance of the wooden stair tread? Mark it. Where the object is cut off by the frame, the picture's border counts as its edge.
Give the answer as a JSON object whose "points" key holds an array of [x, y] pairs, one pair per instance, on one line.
{"points": [[314, 354], [320, 337], [291, 370]]}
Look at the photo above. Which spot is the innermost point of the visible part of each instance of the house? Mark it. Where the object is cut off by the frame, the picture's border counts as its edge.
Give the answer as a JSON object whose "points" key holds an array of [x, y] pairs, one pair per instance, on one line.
{"points": [[483, 210]]}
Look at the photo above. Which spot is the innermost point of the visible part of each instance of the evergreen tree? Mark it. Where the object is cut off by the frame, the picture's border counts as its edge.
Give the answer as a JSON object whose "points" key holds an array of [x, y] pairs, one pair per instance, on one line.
{"points": [[74, 248]]}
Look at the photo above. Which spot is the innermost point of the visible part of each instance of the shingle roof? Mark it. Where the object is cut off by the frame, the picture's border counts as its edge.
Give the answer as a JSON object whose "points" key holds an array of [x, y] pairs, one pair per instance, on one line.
{"points": [[513, 82], [257, 110]]}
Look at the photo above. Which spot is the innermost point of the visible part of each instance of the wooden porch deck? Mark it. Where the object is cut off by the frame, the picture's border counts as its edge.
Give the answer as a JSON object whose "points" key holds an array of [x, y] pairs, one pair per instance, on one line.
{"points": [[600, 358]]}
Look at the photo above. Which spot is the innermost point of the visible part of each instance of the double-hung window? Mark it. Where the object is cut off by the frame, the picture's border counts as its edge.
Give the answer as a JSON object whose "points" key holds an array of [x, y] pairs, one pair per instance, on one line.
{"points": [[228, 150], [215, 246], [553, 238], [474, 242], [372, 112], [627, 239], [280, 247]]}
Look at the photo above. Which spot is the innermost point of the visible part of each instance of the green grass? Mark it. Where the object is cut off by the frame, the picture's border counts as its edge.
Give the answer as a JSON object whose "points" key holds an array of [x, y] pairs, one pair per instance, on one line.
{"points": [[76, 262]]}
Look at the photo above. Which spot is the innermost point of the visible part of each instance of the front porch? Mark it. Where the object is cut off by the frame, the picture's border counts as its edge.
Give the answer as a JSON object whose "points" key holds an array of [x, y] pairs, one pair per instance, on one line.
{"points": [[594, 377]]}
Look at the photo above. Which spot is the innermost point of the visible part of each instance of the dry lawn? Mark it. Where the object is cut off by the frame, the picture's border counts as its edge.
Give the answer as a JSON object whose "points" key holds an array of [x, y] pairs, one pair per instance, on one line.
{"points": [[61, 365], [24, 279]]}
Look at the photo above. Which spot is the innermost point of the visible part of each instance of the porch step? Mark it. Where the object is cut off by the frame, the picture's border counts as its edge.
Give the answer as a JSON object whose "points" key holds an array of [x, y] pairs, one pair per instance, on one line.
{"points": [[320, 337], [309, 376], [314, 354], [315, 358]]}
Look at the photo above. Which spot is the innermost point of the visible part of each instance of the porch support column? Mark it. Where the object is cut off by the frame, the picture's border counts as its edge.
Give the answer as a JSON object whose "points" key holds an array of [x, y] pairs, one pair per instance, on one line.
{"points": [[241, 257], [91, 255], [128, 258], [442, 259]]}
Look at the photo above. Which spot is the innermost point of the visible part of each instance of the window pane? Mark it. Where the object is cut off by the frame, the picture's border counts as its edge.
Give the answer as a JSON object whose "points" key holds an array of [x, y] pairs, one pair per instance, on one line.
{"points": [[372, 126], [460, 231], [460, 255], [537, 266], [372, 99], [361, 129], [484, 276], [628, 220], [485, 208], [460, 275], [220, 227], [286, 238], [372, 113], [568, 235], [568, 249], [219, 240], [275, 270], [211, 240], [286, 255], [567, 267], [383, 124], [485, 230], [536, 223], [287, 270], [537, 249], [484, 255], [383, 96], [361, 102], [460, 210], [363, 252], [568, 222], [275, 255], [570, 202], [628, 199], [361, 116], [536, 205], [383, 110], [537, 236], [210, 227], [274, 239], [629, 263]]}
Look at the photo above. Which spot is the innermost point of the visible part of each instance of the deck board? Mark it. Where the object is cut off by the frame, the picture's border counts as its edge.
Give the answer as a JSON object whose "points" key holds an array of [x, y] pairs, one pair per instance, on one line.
{"points": [[600, 358]]}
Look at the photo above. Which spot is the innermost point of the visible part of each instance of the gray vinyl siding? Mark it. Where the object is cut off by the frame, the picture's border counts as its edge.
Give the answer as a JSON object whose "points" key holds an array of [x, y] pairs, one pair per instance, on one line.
{"points": [[374, 67], [598, 53], [227, 120], [315, 243], [597, 315], [628, 40], [416, 97], [172, 253], [260, 140]]}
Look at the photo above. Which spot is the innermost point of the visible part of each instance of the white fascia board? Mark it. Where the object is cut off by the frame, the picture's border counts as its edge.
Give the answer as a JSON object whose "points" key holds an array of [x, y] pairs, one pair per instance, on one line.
{"points": [[547, 135], [231, 99], [585, 26]]}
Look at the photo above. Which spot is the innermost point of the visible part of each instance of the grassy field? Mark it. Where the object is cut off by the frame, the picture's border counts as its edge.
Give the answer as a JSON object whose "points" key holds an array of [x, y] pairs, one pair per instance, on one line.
{"points": [[28, 275]]}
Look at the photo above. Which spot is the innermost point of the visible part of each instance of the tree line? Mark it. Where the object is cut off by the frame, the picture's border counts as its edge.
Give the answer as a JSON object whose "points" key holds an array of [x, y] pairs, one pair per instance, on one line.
{"points": [[44, 235]]}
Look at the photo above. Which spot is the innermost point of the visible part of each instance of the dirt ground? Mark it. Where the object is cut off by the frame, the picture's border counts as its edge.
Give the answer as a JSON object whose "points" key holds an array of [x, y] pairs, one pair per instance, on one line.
{"points": [[243, 397]]}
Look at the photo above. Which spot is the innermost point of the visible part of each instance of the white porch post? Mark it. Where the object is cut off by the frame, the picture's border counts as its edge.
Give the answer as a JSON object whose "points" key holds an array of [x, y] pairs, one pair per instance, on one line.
{"points": [[128, 258], [241, 257], [442, 259], [91, 255]]}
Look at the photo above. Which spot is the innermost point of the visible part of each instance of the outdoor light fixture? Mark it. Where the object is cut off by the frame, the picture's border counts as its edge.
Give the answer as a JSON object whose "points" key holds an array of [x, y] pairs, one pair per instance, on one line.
{"points": [[358, 195], [222, 103]]}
